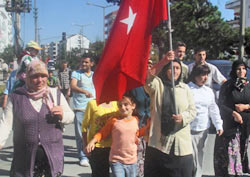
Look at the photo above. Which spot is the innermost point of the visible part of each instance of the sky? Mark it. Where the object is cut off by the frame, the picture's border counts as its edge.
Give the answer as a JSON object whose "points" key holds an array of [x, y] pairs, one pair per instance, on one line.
{"points": [[57, 16]]}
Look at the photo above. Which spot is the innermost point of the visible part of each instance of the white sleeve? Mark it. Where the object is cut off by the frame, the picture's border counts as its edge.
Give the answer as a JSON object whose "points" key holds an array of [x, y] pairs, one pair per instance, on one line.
{"points": [[218, 76], [68, 114], [6, 122], [214, 113]]}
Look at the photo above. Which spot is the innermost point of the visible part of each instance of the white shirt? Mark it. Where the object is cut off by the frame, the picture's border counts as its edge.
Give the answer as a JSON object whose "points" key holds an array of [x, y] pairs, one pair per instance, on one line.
{"points": [[214, 75], [6, 121], [206, 107]]}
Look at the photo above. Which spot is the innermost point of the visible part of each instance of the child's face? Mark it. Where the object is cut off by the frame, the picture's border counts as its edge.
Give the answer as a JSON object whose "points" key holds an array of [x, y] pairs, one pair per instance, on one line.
{"points": [[126, 107]]}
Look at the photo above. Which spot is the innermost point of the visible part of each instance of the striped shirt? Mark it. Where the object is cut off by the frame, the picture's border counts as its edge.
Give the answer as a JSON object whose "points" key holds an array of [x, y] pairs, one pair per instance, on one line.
{"points": [[64, 77]]}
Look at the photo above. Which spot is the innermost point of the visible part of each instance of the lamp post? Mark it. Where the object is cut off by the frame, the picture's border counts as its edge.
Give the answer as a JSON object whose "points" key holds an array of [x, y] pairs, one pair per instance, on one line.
{"points": [[81, 26], [103, 7], [38, 35], [242, 29], [81, 32]]}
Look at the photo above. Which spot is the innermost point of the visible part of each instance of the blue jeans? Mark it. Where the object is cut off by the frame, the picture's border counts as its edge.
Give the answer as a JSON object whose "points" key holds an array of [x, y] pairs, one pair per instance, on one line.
{"points": [[79, 115], [123, 170]]}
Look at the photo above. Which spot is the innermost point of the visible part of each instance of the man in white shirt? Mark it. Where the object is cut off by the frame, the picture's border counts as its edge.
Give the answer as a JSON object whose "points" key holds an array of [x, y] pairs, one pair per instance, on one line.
{"points": [[180, 52], [215, 75]]}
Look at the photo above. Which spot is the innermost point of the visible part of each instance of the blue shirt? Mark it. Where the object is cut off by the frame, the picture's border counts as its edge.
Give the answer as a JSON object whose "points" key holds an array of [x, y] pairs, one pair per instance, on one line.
{"points": [[10, 83], [85, 82]]}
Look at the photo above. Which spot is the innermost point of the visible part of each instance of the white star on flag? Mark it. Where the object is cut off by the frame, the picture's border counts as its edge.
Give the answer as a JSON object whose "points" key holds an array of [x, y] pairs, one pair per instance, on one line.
{"points": [[130, 20]]}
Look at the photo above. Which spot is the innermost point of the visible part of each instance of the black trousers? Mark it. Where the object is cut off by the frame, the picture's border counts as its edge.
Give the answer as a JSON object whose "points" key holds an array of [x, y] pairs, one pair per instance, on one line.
{"points": [[42, 167], [159, 164], [99, 162]]}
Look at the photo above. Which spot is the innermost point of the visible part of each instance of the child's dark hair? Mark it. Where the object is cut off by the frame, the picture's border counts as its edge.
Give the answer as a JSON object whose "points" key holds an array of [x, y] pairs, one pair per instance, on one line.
{"points": [[133, 100], [199, 70]]}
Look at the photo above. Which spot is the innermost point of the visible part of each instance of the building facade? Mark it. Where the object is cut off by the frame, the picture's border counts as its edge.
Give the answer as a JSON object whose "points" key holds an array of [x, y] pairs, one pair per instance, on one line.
{"points": [[77, 41], [5, 27], [109, 20], [55, 50], [235, 5]]}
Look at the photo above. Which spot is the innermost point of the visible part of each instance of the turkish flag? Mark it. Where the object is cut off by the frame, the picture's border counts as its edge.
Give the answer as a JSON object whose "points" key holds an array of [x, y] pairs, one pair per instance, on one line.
{"points": [[123, 64]]}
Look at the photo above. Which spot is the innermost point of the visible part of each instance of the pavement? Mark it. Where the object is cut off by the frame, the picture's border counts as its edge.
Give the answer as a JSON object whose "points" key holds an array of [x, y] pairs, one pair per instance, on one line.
{"points": [[71, 162]]}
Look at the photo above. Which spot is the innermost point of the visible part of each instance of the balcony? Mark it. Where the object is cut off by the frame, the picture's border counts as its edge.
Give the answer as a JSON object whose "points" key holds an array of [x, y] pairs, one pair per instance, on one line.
{"points": [[232, 4]]}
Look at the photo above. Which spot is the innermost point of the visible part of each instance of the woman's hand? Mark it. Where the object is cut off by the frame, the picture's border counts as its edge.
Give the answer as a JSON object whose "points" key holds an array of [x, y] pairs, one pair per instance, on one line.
{"points": [[237, 117], [241, 107], [219, 132], [91, 146], [57, 110], [169, 56], [177, 118]]}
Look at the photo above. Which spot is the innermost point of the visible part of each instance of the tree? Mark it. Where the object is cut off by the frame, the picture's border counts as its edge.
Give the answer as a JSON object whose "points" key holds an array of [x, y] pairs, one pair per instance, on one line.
{"points": [[197, 23], [247, 42], [96, 49], [8, 54]]}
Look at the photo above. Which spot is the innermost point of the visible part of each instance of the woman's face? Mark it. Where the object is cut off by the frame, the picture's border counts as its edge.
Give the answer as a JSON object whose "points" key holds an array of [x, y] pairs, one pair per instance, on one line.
{"points": [[177, 71], [38, 82], [241, 71], [201, 79]]}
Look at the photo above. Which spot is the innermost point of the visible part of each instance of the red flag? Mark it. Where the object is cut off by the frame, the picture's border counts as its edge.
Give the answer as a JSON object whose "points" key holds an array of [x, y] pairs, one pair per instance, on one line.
{"points": [[123, 64]]}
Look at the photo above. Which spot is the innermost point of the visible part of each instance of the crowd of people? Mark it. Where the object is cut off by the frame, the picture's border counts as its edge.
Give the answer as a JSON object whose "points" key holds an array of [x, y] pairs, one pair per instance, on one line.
{"points": [[157, 130]]}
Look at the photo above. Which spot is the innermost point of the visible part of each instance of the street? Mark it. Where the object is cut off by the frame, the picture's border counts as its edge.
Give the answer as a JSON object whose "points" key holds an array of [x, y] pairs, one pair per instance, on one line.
{"points": [[71, 167]]}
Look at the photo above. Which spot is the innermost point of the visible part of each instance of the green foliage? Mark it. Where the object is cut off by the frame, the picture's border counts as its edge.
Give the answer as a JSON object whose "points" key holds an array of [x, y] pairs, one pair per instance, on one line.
{"points": [[247, 42], [96, 50], [114, 1], [199, 24], [73, 58], [75, 55], [8, 54]]}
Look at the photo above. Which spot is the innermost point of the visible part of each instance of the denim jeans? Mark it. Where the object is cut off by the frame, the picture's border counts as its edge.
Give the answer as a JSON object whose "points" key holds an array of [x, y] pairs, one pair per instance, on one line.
{"points": [[79, 115], [123, 170]]}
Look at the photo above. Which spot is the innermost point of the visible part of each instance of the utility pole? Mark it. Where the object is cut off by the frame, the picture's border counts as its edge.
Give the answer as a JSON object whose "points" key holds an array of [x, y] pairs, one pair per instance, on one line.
{"points": [[17, 7], [242, 29], [81, 33], [103, 7], [35, 21]]}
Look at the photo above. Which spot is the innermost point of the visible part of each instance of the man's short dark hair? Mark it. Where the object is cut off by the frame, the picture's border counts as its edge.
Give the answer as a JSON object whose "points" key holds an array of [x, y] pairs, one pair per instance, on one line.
{"points": [[83, 57], [198, 50], [180, 44], [65, 62]]}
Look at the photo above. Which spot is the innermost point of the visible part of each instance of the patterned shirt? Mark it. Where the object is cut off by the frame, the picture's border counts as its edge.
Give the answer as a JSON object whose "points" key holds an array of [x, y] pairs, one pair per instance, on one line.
{"points": [[64, 77]]}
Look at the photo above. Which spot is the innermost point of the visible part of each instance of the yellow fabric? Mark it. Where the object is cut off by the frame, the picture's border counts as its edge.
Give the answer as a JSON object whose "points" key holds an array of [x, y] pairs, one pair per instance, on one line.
{"points": [[33, 44], [95, 117]]}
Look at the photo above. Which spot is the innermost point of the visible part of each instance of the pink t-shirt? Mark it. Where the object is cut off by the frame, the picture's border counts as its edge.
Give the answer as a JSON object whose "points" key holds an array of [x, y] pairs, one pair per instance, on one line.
{"points": [[124, 139]]}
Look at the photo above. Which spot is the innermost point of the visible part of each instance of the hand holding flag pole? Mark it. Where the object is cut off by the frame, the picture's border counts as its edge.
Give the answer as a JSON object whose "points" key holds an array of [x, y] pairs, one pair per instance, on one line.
{"points": [[123, 64], [171, 48]]}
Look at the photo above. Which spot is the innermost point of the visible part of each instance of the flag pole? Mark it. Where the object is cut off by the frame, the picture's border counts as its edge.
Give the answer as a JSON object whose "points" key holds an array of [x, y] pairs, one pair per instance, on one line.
{"points": [[171, 48]]}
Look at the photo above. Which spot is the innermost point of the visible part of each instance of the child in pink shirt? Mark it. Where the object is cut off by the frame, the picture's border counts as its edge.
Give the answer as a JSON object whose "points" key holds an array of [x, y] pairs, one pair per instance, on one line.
{"points": [[124, 131]]}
